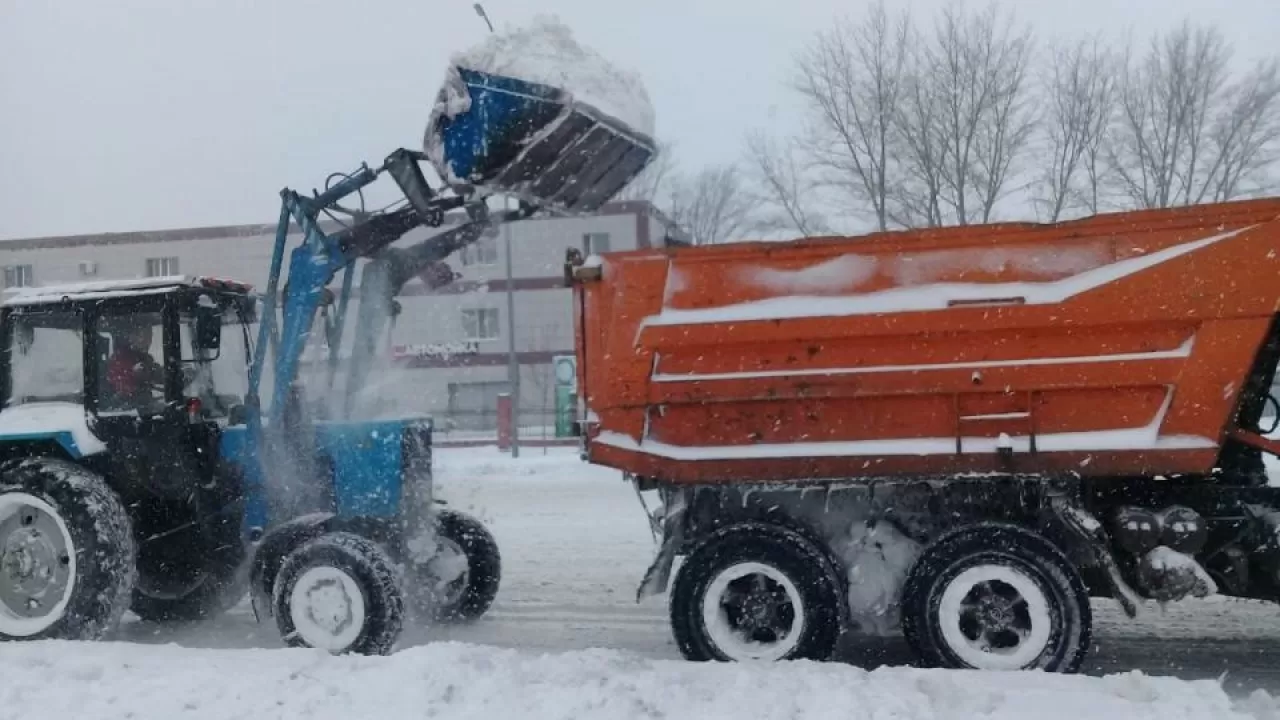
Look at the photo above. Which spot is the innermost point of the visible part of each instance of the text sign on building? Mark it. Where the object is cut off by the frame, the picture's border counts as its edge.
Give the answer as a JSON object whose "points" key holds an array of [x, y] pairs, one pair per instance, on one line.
{"points": [[435, 350]]}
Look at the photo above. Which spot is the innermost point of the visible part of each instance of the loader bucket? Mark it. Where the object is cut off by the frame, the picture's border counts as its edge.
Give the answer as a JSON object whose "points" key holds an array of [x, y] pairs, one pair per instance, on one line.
{"points": [[534, 141]]}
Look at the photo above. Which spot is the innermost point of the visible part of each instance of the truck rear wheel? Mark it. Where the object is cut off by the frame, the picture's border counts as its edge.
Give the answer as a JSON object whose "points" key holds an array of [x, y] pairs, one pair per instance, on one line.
{"points": [[339, 592], [66, 553], [996, 597], [755, 591]]}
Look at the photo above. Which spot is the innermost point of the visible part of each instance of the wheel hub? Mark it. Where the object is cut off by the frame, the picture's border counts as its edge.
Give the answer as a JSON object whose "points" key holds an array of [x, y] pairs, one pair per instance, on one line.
{"points": [[34, 563], [994, 618], [449, 571], [995, 614], [329, 606], [759, 607]]}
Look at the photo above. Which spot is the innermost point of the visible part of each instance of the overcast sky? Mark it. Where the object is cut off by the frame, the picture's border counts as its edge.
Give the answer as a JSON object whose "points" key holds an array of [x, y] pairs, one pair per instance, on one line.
{"points": [[152, 114]]}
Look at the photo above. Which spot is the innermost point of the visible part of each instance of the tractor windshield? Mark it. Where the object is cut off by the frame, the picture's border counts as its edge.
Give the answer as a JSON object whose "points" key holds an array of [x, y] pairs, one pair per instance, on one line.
{"points": [[46, 362]]}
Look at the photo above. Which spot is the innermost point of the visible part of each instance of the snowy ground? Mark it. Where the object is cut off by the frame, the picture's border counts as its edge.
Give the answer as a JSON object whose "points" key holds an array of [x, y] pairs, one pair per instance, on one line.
{"points": [[566, 639]]}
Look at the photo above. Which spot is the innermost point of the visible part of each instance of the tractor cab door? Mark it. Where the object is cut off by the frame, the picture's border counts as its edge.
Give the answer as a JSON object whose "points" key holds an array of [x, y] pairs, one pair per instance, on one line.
{"points": [[160, 461]]}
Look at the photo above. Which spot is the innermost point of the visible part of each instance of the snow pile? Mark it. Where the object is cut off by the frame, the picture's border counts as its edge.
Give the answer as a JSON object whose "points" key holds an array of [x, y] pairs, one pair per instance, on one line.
{"points": [[546, 52], [878, 557], [55, 680]]}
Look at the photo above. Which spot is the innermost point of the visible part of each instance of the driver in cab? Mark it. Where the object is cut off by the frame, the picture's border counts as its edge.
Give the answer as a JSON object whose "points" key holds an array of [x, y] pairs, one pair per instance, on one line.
{"points": [[132, 373]]}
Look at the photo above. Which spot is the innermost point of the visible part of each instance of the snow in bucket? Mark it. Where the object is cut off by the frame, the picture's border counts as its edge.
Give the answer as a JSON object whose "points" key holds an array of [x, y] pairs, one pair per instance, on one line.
{"points": [[546, 52]]}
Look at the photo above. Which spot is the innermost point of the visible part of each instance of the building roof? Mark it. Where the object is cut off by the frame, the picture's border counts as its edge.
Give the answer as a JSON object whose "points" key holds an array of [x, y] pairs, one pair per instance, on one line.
{"points": [[222, 232], [101, 289]]}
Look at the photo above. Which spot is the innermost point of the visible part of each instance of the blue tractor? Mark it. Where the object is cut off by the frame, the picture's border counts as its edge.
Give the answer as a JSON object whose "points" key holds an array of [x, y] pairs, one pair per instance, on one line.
{"points": [[166, 447]]}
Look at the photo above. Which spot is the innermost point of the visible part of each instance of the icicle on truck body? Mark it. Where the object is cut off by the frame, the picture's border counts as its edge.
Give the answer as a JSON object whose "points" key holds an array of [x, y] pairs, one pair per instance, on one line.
{"points": [[962, 434]]}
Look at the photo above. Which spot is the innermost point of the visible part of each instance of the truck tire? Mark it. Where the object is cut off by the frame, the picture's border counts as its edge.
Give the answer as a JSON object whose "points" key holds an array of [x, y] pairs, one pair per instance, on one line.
{"points": [[339, 592], [755, 591], [470, 589], [67, 549], [996, 597]]}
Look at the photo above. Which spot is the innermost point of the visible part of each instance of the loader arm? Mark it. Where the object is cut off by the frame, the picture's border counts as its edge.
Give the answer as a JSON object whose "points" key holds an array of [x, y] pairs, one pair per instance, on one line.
{"points": [[523, 139]]}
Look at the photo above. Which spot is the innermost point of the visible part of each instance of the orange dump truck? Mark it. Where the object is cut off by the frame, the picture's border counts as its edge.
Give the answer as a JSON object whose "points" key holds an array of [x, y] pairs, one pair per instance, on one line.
{"points": [[959, 434]]}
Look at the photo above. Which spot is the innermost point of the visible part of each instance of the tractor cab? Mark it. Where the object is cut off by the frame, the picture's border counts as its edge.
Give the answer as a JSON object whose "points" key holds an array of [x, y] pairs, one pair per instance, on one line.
{"points": [[164, 348], [138, 380]]}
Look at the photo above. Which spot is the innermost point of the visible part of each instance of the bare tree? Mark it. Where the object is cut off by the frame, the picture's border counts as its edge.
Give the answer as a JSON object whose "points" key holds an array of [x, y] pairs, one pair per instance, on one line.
{"points": [[916, 192], [1244, 141], [977, 66], [1079, 105], [713, 205], [653, 183], [851, 80], [786, 190], [1187, 134]]}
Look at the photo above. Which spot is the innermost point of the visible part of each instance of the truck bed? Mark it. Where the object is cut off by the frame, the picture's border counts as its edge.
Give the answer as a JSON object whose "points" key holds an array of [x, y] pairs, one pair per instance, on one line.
{"points": [[1115, 345]]}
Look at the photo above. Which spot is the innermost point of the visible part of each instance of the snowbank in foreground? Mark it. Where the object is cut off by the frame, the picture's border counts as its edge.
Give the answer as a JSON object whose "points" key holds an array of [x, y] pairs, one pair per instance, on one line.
{"points": [[53, 681], [546, 52]]}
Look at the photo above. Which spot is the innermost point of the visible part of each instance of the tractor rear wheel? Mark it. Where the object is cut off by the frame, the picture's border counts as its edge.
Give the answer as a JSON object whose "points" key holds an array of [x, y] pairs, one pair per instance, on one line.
{"points": [[339, 592], [66, 553]]}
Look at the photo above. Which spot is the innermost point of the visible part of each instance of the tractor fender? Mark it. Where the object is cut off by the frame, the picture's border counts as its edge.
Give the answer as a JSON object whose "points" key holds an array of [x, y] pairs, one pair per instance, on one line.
{"points": [[278, 542]]}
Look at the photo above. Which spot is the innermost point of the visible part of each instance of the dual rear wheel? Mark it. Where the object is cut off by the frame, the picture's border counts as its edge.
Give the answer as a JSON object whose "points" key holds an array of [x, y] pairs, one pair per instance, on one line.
{"points": [[985, 596]]}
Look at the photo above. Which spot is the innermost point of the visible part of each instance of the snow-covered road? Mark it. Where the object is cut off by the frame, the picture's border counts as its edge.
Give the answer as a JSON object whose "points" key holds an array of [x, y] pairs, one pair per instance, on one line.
{"points": [[575, 544]]}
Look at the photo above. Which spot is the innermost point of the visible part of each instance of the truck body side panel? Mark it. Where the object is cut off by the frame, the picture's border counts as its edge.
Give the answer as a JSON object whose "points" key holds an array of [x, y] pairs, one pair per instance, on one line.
{"points": [[1114, 345]]}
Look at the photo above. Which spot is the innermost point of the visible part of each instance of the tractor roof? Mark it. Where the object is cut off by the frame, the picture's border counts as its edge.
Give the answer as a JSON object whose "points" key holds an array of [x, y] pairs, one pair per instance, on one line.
{"points": [[103, 289]]}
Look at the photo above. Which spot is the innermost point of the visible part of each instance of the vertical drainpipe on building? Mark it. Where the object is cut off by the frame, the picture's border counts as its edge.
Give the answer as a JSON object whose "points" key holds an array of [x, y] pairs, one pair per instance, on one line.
{"points": [[513, 364]]}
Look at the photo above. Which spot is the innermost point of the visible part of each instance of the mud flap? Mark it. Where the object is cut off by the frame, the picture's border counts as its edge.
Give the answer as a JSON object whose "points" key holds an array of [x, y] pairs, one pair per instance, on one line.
{"points": [[658, 576], [1081, 524], [533, 141]]}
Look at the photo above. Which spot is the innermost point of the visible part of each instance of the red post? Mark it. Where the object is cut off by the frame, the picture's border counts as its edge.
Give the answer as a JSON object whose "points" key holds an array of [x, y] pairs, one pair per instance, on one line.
{"points": [[504, 421]]}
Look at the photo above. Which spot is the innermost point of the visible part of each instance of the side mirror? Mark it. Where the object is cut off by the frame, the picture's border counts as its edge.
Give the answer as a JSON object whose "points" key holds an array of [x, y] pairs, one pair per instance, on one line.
{"points": [[208, 328]]}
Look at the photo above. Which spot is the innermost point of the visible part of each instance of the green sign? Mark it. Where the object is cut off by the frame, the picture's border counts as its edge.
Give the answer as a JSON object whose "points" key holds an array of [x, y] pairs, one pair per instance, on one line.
{"points": [[565, 369]]}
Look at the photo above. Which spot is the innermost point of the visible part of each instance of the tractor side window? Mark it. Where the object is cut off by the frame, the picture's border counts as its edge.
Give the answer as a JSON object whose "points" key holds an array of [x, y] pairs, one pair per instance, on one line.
{"points": [[221, 380], [46, 358], [132, 367]]}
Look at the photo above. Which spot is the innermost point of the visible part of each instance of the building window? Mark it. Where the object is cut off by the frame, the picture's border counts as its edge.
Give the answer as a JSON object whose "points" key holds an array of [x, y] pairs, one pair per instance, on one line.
{"points": [[480, 324], [595, 243], [16, 276], [162, 267], [481, 252]]}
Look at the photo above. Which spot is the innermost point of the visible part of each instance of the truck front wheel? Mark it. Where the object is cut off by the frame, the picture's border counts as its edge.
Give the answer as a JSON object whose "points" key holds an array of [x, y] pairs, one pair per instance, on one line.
{"points": [[755, 591], [996, 597]]}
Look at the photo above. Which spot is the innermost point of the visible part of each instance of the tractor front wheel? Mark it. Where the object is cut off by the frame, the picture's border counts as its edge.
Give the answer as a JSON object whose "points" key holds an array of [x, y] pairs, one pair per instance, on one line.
{"points": [[339, 592], [464, 574]]}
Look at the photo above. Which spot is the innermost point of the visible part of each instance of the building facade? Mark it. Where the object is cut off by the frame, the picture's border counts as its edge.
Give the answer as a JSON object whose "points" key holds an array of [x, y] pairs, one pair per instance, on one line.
{"points": [[447, 352]]}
